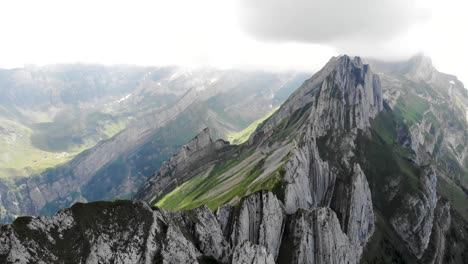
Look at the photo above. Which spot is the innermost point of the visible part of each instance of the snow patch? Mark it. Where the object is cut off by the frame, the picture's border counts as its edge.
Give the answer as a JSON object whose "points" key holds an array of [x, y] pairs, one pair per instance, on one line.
{"points": [[452, 82], [123, 98], [173, 76]]}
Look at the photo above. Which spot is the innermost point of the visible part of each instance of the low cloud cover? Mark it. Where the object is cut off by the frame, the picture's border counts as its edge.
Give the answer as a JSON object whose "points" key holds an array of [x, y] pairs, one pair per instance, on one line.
{"points": [[335, 22]]}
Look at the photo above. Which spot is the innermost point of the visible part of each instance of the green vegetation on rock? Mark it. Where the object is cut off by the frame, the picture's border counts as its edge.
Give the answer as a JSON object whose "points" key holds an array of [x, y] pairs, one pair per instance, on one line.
{"points": [[225, 182], [411, 108], [244, 135]]}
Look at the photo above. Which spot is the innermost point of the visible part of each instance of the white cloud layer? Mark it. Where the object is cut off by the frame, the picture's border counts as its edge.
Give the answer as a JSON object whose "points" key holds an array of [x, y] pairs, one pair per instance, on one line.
{"points": [[385, 29], [258, 34], [328, 21]]}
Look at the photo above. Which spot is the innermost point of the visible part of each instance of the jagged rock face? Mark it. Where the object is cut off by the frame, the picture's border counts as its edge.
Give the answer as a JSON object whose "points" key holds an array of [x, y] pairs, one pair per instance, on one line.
{"points": [[315, 236], [260, 220], [413, 220], [120, 232], [164, 108], [200, 152], [353, 202], [132, 232], [248, 253], [309, 180], [436, 249], [343, 95], [345, 101], [192, 150], [82, 234], [420, 68], [346, 98], [326, 186], [322, 124], [337, 102]]}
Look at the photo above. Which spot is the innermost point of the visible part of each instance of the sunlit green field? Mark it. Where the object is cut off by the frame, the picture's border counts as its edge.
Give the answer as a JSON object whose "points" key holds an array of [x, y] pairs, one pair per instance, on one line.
{"points": [[28, 150], [242, 136]]}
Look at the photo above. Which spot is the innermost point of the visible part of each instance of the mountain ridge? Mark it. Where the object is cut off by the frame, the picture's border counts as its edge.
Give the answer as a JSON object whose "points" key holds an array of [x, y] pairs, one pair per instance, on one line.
{"points": [[346, 171], [166, 108]]}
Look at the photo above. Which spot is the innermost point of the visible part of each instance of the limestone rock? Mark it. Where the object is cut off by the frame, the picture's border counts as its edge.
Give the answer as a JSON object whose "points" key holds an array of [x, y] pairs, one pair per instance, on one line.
{"points": [[435, 251], [194, 155], [260, 220], [315, 236], [353, 204], [248, 253], [309, 180], [413, 221]]}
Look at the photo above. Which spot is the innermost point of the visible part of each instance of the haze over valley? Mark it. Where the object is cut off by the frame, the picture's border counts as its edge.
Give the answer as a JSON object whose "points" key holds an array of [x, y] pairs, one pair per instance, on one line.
{"points": [[233, 131]]}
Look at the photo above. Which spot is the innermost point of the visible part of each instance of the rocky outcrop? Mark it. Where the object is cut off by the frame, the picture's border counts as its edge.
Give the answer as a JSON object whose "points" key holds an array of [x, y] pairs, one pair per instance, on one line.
{"points": [[345, 94], [115, 232], [196, 155], [248, 253], [309, 180], [353, 204], [345, 101], [132, 232], [348, 97], [343, 175], [337, 102], [419, 68], [315, 236], [163, 108], [85, 233], [260, 220], [413, 220], [435, 251]]}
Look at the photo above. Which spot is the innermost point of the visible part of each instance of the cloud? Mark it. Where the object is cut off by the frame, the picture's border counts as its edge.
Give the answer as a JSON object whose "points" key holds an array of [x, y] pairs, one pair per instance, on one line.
{"points": [[335, 22]]}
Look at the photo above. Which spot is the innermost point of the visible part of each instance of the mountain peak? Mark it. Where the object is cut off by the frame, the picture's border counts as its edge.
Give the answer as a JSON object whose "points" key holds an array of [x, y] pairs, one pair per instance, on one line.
{"points": [[344, 94], [420, 68], [344, 60]]}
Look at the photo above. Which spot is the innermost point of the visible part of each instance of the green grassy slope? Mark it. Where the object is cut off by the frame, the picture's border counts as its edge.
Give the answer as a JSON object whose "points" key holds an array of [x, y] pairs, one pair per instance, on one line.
{"points": [[228, 180], [225, 182], [244, 135], [30, 149]]}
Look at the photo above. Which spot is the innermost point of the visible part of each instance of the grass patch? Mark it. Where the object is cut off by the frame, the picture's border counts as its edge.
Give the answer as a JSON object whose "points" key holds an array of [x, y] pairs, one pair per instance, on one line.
{"points": [[384, 160], [29, 150], [18, 157], [244, 135], [411, 108], [193, 193]]}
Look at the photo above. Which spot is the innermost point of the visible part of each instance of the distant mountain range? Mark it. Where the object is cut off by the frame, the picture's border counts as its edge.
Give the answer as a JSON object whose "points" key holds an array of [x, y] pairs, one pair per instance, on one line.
{"points": [[87, 132], [365, 162]]}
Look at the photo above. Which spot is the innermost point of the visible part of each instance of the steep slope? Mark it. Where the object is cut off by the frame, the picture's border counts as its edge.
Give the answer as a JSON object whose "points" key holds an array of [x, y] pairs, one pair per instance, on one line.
{"points": [[335, 143], [425, 127], [333, 176], [282, 156], [166, 108]]}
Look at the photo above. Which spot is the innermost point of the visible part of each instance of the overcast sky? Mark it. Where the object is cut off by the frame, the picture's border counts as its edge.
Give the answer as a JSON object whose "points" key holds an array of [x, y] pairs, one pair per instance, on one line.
{"points": [[255, 34]]}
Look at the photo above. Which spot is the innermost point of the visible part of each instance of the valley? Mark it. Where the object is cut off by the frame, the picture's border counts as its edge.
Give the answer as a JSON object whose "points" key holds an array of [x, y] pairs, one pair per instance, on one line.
{"points": [[103, 130], [362, 163]]}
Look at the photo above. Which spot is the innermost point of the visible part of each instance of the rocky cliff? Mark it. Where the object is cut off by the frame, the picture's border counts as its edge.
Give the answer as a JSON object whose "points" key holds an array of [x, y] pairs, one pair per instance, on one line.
{"points": [[339, 174], [132, 232], [156, 110], [338, 143], [338, 101]]}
